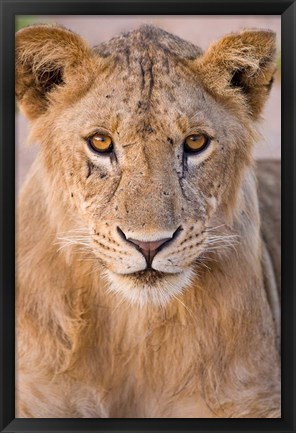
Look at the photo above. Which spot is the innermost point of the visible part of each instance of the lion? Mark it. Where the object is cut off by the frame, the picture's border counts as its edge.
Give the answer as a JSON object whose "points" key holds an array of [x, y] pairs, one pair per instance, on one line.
{"points": [[147, 284]]}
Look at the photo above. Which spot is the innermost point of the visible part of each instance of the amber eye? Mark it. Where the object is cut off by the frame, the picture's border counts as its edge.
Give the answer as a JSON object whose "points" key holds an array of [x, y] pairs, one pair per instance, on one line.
{"points": [[101, 143], [196, 143]]}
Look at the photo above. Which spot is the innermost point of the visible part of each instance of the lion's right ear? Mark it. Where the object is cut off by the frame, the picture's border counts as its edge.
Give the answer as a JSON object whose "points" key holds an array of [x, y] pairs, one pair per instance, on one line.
{"points": [[44, 55]]}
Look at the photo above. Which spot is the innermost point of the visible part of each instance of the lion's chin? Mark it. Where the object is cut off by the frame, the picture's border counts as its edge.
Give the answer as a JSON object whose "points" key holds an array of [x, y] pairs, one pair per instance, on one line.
{"points": [[149, 287]]}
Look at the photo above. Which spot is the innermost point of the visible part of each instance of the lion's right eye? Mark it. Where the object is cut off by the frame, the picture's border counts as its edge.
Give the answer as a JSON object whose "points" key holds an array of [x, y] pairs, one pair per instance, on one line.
{"points": [[100, 143], [196, 143]]}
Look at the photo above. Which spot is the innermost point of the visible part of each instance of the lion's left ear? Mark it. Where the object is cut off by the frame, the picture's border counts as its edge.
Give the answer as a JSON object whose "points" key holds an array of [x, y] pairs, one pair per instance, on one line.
{"points": [[241, 64]]}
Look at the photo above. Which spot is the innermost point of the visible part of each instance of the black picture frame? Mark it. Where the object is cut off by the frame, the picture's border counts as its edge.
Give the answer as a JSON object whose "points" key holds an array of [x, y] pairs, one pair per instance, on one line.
{"points": [[11, 8]]}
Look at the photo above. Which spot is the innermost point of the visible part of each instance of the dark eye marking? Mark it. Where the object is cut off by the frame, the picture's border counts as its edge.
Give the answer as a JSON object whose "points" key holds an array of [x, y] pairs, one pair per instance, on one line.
{"points": [[89, 169], [92, 169]]}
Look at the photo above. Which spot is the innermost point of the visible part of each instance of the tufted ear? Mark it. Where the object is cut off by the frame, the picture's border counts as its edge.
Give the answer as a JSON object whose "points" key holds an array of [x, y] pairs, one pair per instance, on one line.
{"points": [[46, 57], [241, 65]]}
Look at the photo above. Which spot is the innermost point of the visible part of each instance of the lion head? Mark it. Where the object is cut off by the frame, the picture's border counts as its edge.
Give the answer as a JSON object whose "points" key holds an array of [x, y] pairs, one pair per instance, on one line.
{"points": [[145, 143]]}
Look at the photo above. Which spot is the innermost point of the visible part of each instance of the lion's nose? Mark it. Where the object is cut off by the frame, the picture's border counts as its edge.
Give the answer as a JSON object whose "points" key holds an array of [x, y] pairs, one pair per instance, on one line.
{"points": [[151, 248]]}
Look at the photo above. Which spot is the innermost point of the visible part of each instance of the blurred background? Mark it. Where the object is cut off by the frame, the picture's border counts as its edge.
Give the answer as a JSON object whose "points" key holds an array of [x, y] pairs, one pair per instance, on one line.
{"points": [[200, 30]]}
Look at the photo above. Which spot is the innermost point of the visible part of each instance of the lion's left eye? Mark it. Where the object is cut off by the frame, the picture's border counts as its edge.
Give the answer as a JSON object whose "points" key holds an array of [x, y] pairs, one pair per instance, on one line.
{"points": [[101, 143], [196, 143]]}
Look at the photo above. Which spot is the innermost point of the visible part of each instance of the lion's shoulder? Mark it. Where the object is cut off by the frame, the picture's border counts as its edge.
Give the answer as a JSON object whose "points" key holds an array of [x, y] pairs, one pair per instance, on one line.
{"points": [[269, 194]]}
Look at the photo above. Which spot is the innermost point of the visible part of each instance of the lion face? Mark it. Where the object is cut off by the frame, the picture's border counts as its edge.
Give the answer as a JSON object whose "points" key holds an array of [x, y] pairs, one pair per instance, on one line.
{"points": [[144, 161]]}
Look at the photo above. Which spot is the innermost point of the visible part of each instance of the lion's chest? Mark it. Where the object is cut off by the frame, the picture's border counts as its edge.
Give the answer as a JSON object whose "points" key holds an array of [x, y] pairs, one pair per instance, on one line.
{"points": [[150, 375]]}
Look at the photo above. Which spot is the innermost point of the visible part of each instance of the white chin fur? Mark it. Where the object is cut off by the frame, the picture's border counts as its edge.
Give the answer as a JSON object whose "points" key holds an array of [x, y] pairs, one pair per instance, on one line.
{"points": [[143, 294]]}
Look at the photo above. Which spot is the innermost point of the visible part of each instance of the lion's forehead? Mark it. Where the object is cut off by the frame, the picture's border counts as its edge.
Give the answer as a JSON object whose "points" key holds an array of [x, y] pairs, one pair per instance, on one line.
{"points": [[146, 101], [147, 82], [147, 72]]}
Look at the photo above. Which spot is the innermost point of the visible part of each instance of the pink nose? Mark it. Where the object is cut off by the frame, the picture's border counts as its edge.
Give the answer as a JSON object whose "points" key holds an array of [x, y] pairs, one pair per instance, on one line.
{"points": [[149, 249]]}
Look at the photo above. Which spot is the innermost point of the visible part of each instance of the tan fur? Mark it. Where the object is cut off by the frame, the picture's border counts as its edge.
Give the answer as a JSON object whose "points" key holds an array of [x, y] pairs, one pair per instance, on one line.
{"points": [[97, 336]]}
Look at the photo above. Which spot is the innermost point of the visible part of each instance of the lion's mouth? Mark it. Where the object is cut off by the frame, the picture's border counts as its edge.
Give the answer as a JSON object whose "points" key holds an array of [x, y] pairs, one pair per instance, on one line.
{"points": [[148, 276]]}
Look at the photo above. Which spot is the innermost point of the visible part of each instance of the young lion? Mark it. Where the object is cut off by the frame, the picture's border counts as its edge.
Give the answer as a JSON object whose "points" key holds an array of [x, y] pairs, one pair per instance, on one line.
{"points": [[143, 276]]}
